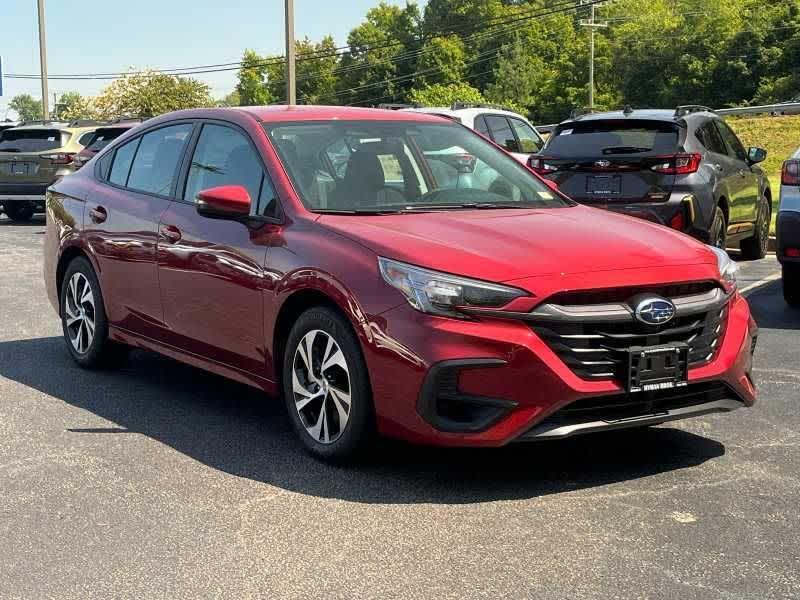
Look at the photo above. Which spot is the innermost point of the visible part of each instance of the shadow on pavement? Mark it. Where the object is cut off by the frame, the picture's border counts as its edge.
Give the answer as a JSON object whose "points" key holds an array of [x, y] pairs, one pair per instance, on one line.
{"points": [[235, 429], [770, 310]]}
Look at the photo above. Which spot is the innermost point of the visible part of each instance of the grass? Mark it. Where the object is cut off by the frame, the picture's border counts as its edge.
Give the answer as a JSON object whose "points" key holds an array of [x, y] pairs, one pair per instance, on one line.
{"points": [[780, 136]]}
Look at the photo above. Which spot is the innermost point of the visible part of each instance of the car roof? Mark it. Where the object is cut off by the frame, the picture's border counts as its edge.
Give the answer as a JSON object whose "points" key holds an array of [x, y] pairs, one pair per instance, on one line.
{"points": [[55, 125], [460, 112], [644, 114], [275, 114]]}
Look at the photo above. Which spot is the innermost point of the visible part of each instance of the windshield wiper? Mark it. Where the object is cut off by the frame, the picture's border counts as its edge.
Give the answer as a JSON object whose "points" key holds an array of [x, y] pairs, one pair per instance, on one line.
{"points": [[625, 150], [469, 206], [336, 211]]}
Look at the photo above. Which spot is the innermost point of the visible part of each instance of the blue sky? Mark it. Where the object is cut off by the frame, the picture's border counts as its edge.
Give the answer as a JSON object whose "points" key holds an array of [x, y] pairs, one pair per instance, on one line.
{"points": [[94, 36]]}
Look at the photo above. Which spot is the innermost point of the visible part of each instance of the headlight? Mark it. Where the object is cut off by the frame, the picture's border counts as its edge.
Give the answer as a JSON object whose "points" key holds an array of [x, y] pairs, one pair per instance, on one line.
{"points": [[727, 268], [440, 294]]}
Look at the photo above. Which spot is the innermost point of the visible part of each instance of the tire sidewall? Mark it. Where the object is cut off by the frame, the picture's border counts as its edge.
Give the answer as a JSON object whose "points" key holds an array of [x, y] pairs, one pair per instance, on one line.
{"points": [[360, 424], [93, 357], [718, 221]]}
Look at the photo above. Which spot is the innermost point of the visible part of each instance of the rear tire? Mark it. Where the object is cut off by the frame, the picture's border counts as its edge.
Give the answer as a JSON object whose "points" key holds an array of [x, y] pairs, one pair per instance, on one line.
{"points": [[718, 232], [83, 319], [791, 284], [326, 386], [754, 248], [19, 211]]}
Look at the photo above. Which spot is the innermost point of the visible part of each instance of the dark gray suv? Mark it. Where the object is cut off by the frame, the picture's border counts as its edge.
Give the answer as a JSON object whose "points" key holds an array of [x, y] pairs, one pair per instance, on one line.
{"points": [[684, 168]]}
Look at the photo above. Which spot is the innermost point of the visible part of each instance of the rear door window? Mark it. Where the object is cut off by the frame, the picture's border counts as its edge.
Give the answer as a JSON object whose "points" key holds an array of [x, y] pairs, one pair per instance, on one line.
{"points": [[529, 140], [711, 139], [735, 147], [155, 167], [30, 140], [481, 126], [501, 132], [121, 167], [609, 138]]}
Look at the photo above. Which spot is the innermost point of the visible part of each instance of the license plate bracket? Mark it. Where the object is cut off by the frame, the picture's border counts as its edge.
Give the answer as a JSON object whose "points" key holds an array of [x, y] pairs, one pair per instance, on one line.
{"points": [[19, 168], [652, 368], [604, 185]]}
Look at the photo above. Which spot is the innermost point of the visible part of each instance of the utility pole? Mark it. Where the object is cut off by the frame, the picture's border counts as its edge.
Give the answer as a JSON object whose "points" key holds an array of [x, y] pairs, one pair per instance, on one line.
{"points": [[591, 24], [291, 83], [43, 62]]}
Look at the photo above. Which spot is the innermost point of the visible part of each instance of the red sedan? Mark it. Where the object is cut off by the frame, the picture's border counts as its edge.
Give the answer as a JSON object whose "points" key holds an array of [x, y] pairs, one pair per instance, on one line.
{"points": [[389, 273]]}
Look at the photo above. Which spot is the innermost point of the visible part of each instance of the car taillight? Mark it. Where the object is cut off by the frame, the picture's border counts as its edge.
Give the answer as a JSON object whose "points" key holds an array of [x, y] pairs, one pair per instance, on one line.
{"points": [[790, 173], [678, 221], [60, 158], [677, 164], [541, 166], [792, 252]]}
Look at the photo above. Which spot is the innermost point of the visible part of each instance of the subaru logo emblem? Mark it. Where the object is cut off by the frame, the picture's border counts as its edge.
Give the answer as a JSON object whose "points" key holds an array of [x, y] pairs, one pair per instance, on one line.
{"points": [[655, 311], [602, 164]]}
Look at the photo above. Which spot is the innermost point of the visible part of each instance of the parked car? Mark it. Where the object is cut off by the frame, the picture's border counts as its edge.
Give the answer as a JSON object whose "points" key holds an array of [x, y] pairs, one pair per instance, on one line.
{"points": [[510, 130], [101, 138], [788, 229], [7, 125], [384, 302], [33, 156], [684, 168]]}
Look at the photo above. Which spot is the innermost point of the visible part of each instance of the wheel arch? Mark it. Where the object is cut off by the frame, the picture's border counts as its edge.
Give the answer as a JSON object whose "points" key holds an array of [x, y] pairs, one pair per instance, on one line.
{"points": [[69, 254], [722, 202]]}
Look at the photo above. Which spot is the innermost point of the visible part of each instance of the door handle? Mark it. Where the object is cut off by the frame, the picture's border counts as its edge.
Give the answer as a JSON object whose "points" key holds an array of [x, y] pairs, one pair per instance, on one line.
{"points": [[98, 214], [169, 233]]}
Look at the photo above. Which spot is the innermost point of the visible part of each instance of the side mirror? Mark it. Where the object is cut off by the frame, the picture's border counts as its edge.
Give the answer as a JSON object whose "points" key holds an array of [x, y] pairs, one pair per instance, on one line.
{"points": [[224, 202], [756, 155]]}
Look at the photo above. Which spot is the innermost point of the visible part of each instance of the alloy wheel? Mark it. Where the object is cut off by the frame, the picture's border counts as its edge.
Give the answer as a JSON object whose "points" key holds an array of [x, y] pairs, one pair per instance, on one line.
{"points": [[79, 311], [321, 386]]}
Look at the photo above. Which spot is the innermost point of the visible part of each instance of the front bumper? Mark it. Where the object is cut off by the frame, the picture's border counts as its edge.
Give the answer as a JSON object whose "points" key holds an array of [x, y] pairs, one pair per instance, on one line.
{"points": [[515, 379]]}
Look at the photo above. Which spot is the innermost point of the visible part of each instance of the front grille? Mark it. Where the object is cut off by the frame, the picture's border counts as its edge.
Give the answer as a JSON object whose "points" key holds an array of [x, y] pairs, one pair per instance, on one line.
{"points": [[628, 406], [674, 290], [598, 349]]}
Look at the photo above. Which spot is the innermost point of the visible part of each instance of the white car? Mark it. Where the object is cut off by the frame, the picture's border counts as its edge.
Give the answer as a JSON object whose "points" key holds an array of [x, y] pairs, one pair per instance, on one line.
{"points": [[506, 128]]}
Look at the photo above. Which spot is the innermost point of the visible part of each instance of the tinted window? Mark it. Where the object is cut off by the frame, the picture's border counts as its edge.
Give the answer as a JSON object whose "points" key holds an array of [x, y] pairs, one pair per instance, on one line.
{"points": [[121, 167], [604, 138], [223, 156], [86, 138], [30, 140], [710, 138], [103, 137], [529, 140], [735, 147], [481, 126], [156, 164], [501, 132], [388, 166]]}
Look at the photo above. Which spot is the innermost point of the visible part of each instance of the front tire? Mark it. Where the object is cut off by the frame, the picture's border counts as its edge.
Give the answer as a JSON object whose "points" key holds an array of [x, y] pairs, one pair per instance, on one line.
{"points": [[791, 284], [326, 386], [754, 248], [19, 212], [83, 318]]}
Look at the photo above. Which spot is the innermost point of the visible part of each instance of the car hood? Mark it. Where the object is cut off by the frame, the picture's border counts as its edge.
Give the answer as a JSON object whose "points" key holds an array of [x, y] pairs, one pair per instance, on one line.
{"points": [[504, 245]]}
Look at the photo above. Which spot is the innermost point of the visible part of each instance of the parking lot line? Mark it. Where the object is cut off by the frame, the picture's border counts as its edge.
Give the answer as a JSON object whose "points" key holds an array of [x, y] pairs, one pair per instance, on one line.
{"points": [[760, 283]]}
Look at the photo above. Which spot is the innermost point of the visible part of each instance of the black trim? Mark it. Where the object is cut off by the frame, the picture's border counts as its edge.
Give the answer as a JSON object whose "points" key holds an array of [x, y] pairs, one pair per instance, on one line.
{"points": [[440, 390], [23, 189]]}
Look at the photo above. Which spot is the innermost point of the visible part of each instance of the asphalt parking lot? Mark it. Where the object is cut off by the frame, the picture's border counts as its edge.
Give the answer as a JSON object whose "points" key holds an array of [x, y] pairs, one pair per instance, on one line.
{"points": [[162, 481]]}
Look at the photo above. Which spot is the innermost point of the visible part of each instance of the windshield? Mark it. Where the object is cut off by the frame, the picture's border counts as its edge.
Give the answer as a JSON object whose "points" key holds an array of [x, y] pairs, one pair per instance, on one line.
{"points": [[608, 138], [402, 166], [29, 140]]}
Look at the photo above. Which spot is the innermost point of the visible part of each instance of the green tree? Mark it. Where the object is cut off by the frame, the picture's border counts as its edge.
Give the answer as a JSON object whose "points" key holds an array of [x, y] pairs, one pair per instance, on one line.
{"points": [[148, 94], [381, 61], [252, 82], [26, 107], [442, 60], [444, 95], [72, 106]]}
